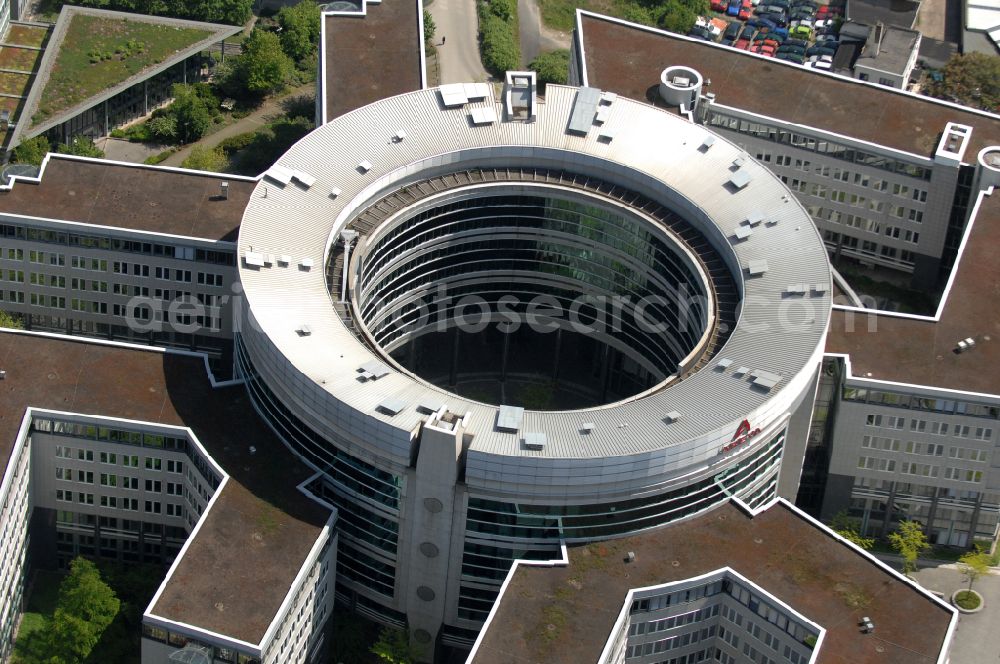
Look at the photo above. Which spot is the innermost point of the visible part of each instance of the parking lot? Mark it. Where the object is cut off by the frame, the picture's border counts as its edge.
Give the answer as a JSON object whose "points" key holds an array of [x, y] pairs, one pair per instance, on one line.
{"points": [[805, 32]]}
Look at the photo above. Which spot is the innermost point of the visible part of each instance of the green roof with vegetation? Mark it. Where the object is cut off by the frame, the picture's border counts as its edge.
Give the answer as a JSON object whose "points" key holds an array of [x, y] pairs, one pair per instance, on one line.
{"points": [[98, 53]]}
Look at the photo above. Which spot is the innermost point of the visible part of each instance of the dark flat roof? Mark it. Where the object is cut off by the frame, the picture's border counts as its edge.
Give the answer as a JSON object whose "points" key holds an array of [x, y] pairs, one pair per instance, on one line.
{"points": [[137, 198], [628, 60], [922, 352], [900, 13], [371, 57], [261, 528], [566, 613]]}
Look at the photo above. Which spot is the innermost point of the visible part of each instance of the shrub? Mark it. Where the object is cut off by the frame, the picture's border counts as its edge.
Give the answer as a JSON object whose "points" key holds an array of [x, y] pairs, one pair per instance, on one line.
{"points": [[967, 599], [551, 67], [205, 159], [31, 151], [500, 49]]}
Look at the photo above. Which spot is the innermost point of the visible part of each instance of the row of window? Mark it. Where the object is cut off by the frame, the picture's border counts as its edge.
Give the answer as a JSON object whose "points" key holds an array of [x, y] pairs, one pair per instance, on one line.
{"points": [[19, 232], [819, 145], [925, 449], [913, 402]]}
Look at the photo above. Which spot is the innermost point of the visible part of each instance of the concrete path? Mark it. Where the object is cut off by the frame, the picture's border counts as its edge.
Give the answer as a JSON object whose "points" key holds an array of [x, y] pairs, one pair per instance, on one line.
{"points": [[458, 27], [267, 112], [977, 640], [535, 36]]}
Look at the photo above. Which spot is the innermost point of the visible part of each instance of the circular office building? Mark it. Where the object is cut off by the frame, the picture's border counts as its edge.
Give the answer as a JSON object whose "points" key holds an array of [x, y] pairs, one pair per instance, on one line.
{"points": [[495, 325]]}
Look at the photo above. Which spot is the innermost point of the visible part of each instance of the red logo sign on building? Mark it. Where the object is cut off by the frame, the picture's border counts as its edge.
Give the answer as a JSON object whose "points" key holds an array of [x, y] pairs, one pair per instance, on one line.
{"points": [[743, 435]]}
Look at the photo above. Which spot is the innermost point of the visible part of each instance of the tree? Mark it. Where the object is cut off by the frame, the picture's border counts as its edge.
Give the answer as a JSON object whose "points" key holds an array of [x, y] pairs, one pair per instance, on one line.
{"points": [[263, 67], [678, 15], [847, 528], [300, 27], [191, 112], [12, 321], [429, 27], [86, 607], [81, 146], [910, 541], [393, 647], [971, 78], [85, 595], [205, 159], [163, 127], [551, 67], [974, 564], [31, 151]]}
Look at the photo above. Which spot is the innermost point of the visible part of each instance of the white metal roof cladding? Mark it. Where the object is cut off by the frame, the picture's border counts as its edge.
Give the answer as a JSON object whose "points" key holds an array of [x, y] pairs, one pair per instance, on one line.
{"points": [[776, 334]]}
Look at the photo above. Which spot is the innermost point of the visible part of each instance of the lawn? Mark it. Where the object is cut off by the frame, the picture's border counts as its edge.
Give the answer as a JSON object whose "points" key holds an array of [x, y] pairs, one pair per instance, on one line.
{"points": [[26, 35], [561, 14], [21, 59], [98, 53]]}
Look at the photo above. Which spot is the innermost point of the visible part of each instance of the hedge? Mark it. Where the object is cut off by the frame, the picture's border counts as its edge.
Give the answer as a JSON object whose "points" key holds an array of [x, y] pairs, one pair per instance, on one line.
{"points": [[497, 36]]}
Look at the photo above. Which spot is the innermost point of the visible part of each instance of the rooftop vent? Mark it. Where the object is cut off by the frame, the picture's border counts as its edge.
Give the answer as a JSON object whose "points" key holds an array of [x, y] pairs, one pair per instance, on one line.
{"points": [[306, 263], [743, 232], [224, 191], [335, 191], [483, 115], [630, 557], [392, 405], [279, 174], [754, 218], [587, 427], [965, 344], [398, 136], [535, 441], [365, 166], [756, 268], [724, 363], [765, 379], [303, 330], [739, 179], [509, 418], [373, 370], [430, 407]]}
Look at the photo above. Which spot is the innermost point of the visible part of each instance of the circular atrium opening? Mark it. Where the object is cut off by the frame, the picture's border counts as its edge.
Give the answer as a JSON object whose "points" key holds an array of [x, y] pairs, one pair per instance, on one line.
{"points": [[540, 296]]}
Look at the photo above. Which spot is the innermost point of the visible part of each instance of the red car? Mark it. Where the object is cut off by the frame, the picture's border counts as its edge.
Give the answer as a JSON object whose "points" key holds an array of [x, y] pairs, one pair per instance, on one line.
{"points": [[767, 49], [745, 10], [719, 5], [742, 44]]}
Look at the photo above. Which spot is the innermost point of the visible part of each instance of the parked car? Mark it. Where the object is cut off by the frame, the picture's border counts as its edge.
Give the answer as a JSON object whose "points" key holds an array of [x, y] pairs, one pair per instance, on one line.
{"points": [[742, 44], [776, 19], [745, 8], [734, 7], [797, 42], [798, 50], [791, 57], [701, 33], [719, 5], [800, 32], [732, 31], [748, 32], [821, 50]]}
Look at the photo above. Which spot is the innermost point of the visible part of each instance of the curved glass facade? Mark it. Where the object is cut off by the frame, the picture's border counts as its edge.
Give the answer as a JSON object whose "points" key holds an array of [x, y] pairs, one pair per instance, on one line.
{"points": [[625, 280]]}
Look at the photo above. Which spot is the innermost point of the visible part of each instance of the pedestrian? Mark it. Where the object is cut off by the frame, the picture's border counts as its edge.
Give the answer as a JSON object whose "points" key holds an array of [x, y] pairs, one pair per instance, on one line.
{"points": [[443, 40]]}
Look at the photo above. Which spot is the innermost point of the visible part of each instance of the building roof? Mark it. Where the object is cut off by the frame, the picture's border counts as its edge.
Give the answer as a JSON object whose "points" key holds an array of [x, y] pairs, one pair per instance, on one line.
{"points": [[982, 26], [890, 53], [132, 197], [259, 532], [628, 59], [935, 53], [370, 55], [48, 105], [898, 13], [658, 148], [921, 352], [566, 613]]}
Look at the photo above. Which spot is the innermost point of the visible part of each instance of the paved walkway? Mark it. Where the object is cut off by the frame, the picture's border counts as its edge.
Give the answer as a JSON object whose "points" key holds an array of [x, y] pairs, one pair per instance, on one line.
{"points": [[535, 36], [267, 112], [458, 27], [941, 19], [977, 639]]}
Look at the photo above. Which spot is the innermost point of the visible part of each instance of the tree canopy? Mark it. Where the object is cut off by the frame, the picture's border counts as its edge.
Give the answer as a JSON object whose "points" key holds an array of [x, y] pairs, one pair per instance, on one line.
{"points": [[300, 27], [909, 541], [262, 66], [847, 528], [974, 564], [972, 79], [87, 606], [81, 146]]}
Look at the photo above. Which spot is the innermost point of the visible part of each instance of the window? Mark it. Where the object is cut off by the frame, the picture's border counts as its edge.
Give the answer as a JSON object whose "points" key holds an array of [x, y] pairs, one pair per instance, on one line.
{"points": [[153, 463], [154, 485], [153, 507], [132, 461], [175, 466], [109, 457], [174, 510], [85, 455]]}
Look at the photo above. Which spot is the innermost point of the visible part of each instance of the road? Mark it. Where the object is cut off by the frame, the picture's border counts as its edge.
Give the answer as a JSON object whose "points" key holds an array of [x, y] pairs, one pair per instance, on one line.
{"points": [[535, 37], [458, 27], [977, 640]]}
